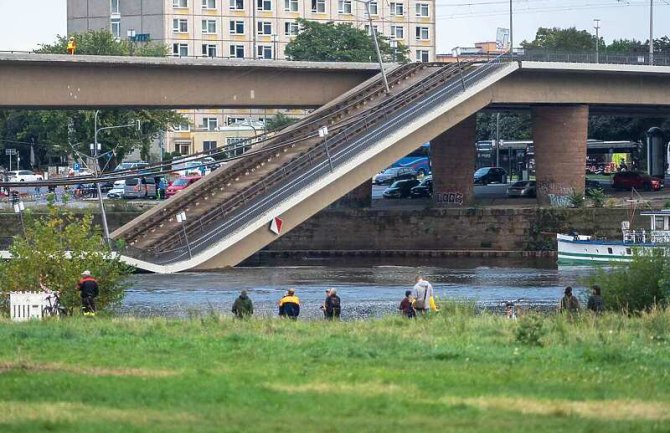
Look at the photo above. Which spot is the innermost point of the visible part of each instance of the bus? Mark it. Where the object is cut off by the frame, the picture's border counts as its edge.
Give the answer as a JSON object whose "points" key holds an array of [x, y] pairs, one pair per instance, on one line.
{"points": [[418, 159]]}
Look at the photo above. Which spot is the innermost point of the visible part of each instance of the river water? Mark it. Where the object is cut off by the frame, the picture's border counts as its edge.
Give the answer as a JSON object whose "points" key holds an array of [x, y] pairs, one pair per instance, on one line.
{"points": [[367, 288]]}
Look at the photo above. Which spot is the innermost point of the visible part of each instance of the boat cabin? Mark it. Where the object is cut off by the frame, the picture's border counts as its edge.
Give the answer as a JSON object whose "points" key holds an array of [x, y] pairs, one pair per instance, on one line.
{"points": [[659, 227]]}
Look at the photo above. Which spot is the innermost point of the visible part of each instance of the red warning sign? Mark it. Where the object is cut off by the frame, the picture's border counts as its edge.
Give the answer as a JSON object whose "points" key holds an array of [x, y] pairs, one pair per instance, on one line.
{"points": [[276, 225]]}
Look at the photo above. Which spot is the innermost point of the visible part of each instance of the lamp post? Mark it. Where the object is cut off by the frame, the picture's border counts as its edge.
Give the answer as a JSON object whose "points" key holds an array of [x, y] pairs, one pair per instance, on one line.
{"points": [[373, 33], [95, 150], [651, 32], [511, 31], [181, 219], [596, 25], [323, 133], [497, 139], [19, 207]]}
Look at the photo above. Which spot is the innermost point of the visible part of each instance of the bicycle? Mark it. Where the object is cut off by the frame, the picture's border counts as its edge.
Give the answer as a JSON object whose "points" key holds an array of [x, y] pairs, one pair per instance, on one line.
{"points": [[511, 308], [54, 307]]}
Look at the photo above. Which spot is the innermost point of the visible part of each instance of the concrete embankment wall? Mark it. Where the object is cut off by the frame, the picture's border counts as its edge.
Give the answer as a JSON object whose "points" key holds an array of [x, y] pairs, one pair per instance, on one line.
{"points": [[433, 229]]}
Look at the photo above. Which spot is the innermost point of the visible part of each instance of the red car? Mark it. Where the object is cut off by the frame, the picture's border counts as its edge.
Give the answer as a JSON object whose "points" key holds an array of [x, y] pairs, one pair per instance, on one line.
{"points": [[637, 180], [182, 183]]}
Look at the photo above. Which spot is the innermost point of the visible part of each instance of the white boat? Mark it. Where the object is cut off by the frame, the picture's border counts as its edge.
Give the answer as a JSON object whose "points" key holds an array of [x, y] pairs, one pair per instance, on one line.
{"points": [[586, 249]]}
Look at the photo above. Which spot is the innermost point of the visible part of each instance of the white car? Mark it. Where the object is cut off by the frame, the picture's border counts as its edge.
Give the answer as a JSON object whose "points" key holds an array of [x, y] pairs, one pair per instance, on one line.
{"points": [[117, 189], [23, 176]]}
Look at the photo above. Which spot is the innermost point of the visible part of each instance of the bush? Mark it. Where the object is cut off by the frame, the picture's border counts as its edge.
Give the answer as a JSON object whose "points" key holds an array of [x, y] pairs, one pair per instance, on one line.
{"points": [[531, 330], [636, 286], [576, 199], [597, 197], [58, 248]]}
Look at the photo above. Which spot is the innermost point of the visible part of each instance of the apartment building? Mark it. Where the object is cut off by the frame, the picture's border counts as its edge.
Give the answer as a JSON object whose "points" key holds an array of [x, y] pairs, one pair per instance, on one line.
{"points": [[244, 29]]}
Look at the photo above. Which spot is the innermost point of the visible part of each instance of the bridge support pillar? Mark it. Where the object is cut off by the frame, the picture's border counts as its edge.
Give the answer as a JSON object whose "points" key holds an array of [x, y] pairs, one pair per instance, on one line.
{"points": [[559, 137], [453, 162], [359, 197]]}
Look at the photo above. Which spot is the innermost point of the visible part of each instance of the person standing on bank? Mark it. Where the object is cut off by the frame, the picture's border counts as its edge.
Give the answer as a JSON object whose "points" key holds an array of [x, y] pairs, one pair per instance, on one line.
{"points": [[569, 303], [243, 307], [323, 306], [422, 292], [333, 308], [88, 290], [406, 305], [595, 302], [289, 305]]}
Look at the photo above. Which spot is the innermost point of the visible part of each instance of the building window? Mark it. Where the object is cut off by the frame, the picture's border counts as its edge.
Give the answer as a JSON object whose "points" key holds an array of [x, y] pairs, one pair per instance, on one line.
{"points": [[422, 33], [209, 4], [114, 6], [367, 29], [179, 25], [291, 28], [233, 120], [210, 123], [180, 3], [374, 8], [209, 50], [264, 28], [319, 6], [180, 50], [236, 4], [209, 26], [237, 27], [421, 9], [264, 52], [235, 146], [116, 28], [291, 5], [182, 127], [344, 7], [264, 5], [182, 147], [398, 32], [397, 9], [237, 51], [421, 55], [208, 145]]}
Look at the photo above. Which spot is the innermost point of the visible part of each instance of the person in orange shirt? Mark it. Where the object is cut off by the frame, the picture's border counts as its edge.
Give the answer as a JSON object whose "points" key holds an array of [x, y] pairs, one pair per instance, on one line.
{"points": [[71, 45]]}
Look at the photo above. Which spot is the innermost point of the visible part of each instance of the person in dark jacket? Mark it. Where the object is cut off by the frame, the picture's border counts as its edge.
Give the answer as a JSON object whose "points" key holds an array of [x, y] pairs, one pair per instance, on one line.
{"points": [[406, 306], [333, 306], [243, 307], [569, 303], [88, 290], [595, 302], [289, 305]]}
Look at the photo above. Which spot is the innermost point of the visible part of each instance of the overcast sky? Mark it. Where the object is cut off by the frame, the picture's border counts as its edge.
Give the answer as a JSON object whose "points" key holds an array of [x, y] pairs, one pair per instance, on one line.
{"points": [[26, 24]]}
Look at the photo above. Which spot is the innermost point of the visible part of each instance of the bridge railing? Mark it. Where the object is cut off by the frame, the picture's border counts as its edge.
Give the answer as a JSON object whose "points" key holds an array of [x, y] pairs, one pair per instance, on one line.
{"points": [[318, 162]]}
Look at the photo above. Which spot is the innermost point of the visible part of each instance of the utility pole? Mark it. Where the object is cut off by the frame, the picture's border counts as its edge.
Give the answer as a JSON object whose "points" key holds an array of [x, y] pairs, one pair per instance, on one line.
{"points": [[373, 32], [596, 25], [497, 139], [651, 32], [254, 29], [511, 31]]}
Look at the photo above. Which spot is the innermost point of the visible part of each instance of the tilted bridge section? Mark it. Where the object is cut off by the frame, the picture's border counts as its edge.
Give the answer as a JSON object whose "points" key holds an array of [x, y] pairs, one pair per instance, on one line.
{"points": [[296, 173]]}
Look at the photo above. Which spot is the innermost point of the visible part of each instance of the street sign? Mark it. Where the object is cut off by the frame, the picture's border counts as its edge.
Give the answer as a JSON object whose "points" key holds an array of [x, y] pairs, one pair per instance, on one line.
{"points": [[276, 225], [10, 152]]}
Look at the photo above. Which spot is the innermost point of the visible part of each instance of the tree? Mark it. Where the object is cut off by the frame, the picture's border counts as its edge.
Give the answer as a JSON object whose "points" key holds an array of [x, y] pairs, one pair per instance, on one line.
{"points": [[330, 42], [54, 134], [279, 121], [513, 126], [557, 39], [58, 248]]}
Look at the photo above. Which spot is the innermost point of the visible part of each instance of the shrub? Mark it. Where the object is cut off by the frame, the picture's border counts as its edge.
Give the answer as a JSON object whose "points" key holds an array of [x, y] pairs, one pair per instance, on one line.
{"points": [[636, 286], [597, 197], [530, 330], [58, 248], [576, 199]]}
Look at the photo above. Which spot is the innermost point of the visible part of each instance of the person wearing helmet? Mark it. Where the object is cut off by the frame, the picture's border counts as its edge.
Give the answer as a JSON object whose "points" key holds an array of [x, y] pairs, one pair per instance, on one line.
{"points": [[88, 290]]}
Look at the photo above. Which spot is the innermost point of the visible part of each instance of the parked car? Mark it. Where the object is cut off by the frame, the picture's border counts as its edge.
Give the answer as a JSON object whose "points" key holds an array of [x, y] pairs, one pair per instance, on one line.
{"points": [[424, 189], [131, 165], [390, 175], [23, 176], [400, 188], [140, 187], [524, 188], [637, 180], [117, 189], [181, 184], [486, 175]]}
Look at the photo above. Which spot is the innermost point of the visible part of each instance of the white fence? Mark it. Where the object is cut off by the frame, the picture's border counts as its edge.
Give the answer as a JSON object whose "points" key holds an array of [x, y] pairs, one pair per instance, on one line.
{"points": [[27, 305]]}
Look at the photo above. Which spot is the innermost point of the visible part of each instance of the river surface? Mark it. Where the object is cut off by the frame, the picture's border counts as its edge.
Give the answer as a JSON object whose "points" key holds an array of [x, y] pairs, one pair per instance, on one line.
{"points": [[367, 289]]}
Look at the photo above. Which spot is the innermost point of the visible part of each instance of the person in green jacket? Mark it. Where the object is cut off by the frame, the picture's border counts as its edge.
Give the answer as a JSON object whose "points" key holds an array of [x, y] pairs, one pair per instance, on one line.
{"points": [[243, 307]]}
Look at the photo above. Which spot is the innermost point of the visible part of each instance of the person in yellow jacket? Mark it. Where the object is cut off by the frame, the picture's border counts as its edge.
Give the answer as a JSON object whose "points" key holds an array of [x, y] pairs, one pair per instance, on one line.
{"points": [[71, 45], [289, 305]]}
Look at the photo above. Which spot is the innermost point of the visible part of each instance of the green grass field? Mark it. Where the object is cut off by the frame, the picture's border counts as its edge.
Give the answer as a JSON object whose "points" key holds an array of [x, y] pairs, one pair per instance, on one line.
{"points": [[454, 372]]}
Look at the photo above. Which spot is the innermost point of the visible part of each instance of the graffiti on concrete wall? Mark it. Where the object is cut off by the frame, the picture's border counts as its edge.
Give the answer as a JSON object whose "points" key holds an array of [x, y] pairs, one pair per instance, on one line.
{"points": [[449, 198], [557, 193]]}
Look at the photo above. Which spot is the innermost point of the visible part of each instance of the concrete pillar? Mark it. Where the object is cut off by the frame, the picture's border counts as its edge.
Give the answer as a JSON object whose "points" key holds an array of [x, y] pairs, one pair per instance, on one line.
{"points": [[559, 137], [359, 197], [452, 156]]}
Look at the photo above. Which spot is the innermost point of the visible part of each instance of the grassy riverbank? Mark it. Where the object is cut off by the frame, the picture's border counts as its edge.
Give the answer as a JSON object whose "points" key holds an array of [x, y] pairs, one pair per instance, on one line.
{"points": [[455, 372]]}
